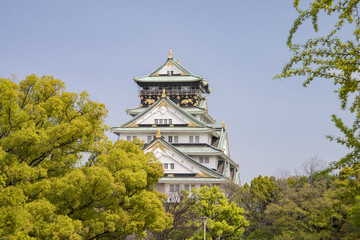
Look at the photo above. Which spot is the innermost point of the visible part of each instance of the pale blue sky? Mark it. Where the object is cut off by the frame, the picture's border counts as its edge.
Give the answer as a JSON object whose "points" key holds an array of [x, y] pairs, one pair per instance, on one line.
{"points": [[238, 46]]}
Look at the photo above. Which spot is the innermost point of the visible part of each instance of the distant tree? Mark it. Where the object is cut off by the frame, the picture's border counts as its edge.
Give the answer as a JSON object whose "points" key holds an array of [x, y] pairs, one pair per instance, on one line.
{"points": [[186, 218], [255, 198], [45, 193], [334, 56]]}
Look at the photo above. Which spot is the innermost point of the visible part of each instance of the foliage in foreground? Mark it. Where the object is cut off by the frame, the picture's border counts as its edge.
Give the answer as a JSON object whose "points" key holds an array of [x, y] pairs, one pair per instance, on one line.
{"points": [[334, 56], [45, 194], [224, 219]]}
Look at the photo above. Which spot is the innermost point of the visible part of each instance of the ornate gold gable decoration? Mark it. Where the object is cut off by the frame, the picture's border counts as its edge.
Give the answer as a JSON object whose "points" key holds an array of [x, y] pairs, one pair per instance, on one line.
{"points": [[163, 104], [163, 93], [223, 125], [158, 145], [158, 134]]}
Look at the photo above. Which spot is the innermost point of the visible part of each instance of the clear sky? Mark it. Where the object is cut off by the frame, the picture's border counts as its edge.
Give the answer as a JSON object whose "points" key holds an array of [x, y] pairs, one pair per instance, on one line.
{"points": [[238, 46]]}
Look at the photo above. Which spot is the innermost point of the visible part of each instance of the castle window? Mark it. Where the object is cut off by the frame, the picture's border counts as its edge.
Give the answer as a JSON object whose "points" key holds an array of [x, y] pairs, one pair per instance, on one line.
{"points": [[174, 187], [170, 139], [176, 139], [128, 138], [156, 121], [134, 137], [191, 139], [201, 160], [197, 139], [172, 165], [192, 186], [187, 187], [206, 159], [166, 166], [165, 121], [170, 121], [160, 121]]}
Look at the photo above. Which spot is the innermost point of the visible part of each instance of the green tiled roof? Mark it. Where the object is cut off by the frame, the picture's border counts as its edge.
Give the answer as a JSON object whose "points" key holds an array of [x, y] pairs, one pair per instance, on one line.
{"points": [[191, 160], [201, 149], [187, 77], [192, 179], [167, 79], [163, 129], [171, 103]]}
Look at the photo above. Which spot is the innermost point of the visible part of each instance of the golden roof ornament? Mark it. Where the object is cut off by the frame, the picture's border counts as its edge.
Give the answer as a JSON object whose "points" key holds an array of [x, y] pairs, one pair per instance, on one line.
{"points": [[178, 61], [170, 54], [223, 125], [158, 134], [163, 93]]}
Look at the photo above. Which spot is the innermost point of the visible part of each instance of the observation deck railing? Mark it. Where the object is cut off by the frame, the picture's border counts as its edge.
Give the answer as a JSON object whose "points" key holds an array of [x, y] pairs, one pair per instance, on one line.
{"points": [[170, 92]]}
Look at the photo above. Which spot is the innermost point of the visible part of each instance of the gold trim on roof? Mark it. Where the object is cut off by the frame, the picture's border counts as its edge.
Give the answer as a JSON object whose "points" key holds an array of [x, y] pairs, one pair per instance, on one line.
{"points": [[163, 104], [178, 61], [163, 93], [223, 125], [170, 53], [133, 125], [203, 174], [191, 124]]}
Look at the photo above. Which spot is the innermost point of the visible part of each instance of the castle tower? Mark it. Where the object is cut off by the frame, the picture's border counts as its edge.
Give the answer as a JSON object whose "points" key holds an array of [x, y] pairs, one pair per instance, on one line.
{"points": [[174, 122]]}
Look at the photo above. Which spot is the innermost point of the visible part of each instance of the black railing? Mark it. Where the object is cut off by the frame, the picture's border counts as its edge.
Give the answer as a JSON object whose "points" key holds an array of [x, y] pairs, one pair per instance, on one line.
{"points": [[170, 92]]}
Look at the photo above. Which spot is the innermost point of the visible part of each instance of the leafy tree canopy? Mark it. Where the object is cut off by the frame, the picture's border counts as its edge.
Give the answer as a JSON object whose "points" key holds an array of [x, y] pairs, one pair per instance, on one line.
{"points": [[334, 56], [45, 193]]}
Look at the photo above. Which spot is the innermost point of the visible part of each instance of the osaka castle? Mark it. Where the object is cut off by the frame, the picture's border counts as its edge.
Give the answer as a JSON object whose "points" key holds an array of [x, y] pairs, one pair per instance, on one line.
{"points": [[174, 123]]}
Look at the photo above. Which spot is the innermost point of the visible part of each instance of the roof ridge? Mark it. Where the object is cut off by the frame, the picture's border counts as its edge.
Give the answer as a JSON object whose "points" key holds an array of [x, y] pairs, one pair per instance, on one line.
{"points": [[182, 111]]}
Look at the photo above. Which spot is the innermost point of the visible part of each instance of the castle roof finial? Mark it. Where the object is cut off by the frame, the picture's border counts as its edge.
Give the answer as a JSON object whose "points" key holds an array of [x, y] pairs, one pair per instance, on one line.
{"points": [[178, 61], [223, 125], [158, 134], [170, 54]]}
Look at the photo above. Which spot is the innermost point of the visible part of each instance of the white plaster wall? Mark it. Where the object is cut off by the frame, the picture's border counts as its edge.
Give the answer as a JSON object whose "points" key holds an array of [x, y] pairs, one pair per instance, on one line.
{"points": [[213, 161], [163, 113], [183, 137], [169, 68], [178, 168]]}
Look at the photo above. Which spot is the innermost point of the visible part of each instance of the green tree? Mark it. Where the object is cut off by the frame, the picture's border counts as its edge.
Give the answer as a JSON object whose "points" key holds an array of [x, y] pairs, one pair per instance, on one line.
{"points": [[224, 220], [45, 194], [254, 198], [334, 56]]}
